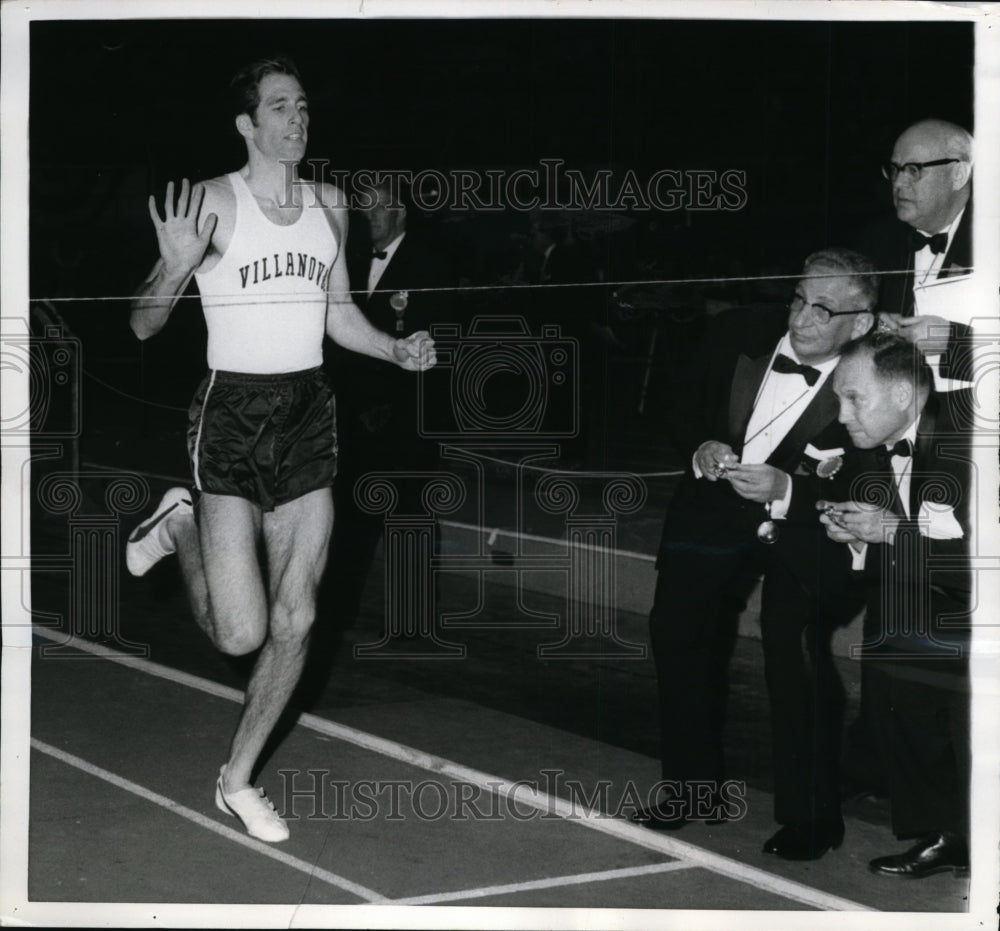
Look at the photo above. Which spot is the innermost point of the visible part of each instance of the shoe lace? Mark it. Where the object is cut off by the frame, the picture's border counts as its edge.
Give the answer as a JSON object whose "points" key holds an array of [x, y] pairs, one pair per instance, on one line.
{"points": [[266, 800]]}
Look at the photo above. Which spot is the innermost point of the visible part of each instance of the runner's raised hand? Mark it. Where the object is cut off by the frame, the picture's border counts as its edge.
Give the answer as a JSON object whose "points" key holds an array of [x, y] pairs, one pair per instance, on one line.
{"points": [[182, 247]]}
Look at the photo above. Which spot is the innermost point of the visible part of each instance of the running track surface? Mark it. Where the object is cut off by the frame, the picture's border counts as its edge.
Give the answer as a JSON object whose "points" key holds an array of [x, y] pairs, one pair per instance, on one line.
{"points": [[125, 753]]}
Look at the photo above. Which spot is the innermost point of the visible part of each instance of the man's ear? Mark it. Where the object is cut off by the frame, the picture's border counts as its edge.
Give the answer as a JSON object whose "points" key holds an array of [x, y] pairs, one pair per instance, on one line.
{"points": [[902, 394], [244, 125], [961, 175], [862, 324]]}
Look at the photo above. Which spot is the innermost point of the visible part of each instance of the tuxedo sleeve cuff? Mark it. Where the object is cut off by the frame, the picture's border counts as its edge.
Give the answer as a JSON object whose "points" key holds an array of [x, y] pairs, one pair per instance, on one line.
{"points": [[779, 508]]}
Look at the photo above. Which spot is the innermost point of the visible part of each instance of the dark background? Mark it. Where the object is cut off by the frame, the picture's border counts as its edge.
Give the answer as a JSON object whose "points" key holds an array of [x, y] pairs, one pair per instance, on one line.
{"points": [[807, 110]]}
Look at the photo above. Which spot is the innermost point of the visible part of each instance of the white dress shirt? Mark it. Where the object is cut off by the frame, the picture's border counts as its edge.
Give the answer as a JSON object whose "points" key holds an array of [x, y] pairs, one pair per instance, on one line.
{"points": [[780, 401], [927, 264], [928, 297], [902, 470], [378, 265]]}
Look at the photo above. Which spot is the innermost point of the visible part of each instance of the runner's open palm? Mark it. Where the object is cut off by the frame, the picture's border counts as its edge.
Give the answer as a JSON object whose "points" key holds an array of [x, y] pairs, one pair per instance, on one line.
{"points": [[182, 247]]}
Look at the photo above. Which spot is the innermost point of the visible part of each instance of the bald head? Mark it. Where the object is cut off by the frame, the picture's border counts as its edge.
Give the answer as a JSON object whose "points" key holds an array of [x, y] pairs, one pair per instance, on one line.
{"points": [[932, 201], [950, 139]]}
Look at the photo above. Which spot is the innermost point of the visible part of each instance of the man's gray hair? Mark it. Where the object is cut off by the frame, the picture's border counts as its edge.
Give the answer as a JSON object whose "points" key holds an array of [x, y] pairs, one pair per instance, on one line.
{"points": [[847, 263]]}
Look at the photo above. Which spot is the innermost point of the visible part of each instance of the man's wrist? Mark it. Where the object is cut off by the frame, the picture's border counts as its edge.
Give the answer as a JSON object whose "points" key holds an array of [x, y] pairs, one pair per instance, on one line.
{"points": [[173, 279], [782, 502], [397, 352]]}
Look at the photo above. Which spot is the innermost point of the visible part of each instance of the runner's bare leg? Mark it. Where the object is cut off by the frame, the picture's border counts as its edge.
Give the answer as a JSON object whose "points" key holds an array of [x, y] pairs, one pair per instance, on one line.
{"points": [[296, 538], [222, 572]]}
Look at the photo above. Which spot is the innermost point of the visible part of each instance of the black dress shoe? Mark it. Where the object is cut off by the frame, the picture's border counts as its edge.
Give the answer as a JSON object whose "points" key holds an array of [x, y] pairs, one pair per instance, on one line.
{"points": [[671, 816], [935, 853], [808, 840], [665, 817]]}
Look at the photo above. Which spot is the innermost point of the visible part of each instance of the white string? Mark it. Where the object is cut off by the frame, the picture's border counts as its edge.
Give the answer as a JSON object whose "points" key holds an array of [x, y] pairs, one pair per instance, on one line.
{"points": [[132, 397], [239, 299]]}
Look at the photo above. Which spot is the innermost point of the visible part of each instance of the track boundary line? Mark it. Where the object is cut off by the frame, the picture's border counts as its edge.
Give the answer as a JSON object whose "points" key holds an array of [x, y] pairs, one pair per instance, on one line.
{"points": [[577, 814], [553, 882], [120, 782]]}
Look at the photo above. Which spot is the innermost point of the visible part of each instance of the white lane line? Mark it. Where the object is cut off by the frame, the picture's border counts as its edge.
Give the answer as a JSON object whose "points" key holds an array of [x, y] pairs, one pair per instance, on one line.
{"points": [[313, 872], [524, 537], [552, 883], [523, 794]]}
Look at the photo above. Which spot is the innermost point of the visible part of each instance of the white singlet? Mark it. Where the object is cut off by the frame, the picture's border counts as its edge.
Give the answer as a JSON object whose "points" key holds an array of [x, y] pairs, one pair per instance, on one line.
{"points": [[265, 301]]}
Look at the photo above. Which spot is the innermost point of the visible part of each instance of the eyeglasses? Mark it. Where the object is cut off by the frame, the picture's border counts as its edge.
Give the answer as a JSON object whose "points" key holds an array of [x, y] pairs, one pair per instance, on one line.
{"points": [[823, 314], [912, 171]]}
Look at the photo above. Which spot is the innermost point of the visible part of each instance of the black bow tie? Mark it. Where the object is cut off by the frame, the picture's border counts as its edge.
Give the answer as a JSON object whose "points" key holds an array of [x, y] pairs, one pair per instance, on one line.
{"points": [[938, 242], [901, 448], [379, 253], [786, 366], [883, 456]]}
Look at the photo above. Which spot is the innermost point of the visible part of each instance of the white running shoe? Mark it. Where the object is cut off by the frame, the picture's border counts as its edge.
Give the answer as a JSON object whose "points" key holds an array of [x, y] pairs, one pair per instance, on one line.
{"points": [[254, 809], [150, 542]]}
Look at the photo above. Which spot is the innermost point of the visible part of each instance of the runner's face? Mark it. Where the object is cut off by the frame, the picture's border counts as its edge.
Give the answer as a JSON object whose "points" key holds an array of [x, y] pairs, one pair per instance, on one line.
{"points": [[281, 126]]}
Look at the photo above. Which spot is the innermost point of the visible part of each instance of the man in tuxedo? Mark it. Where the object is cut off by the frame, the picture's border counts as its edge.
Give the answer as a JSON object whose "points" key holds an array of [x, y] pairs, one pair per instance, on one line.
{"points": [[400, 283], [907, 526], [929, 239], [761, 453]]}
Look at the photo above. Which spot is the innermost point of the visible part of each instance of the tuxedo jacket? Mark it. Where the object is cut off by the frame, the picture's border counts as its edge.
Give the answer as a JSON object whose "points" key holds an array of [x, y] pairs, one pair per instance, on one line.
{"points": [[888, 244], [414, 267], [919, 589], [377, 398], [706, 514]]}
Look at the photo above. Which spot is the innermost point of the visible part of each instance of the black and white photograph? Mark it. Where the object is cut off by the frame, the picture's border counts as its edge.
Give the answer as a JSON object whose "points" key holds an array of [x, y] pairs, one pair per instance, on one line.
{"points": [[500, 465]]}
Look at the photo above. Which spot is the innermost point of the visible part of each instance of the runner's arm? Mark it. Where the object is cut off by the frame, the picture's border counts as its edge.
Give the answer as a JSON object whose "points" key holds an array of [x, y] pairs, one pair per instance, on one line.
{"points": [[345, 324], [182, 249]]}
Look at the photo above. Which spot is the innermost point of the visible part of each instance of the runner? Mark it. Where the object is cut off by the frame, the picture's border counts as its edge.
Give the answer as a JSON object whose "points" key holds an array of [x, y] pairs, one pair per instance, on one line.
{"points": [[267, 252]]}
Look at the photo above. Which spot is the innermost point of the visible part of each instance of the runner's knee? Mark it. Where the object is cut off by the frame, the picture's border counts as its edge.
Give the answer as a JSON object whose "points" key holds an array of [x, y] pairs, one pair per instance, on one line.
{"points": [[292, 616], [240, 629], [240, 641]]}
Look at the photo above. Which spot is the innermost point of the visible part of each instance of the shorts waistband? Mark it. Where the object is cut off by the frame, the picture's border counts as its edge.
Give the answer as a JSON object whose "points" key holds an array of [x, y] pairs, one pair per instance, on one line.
{"points": [[253, 378]]}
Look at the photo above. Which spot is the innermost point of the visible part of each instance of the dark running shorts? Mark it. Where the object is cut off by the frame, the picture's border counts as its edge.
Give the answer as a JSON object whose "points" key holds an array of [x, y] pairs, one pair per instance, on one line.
{"points": [[267, 438]]}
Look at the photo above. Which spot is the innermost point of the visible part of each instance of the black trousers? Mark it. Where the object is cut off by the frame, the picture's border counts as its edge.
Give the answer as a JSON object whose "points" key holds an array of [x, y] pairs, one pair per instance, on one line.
{"points": [[806, 694], [921, 717], [699, 593], [692, 627]]}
